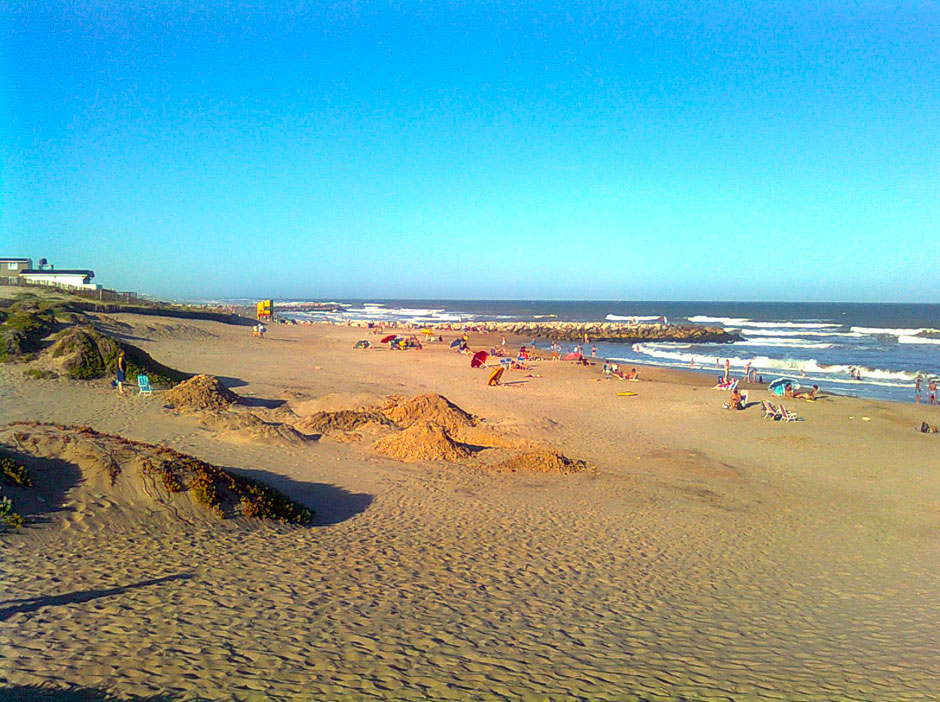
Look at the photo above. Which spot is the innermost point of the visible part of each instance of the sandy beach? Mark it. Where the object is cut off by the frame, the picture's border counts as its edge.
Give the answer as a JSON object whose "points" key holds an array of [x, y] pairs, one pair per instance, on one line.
{"points": [[705, 554]]}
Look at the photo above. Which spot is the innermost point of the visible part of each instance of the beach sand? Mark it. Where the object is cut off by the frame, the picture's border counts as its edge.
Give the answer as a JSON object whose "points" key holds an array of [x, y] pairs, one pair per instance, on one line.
{"points": [[706, 554]]}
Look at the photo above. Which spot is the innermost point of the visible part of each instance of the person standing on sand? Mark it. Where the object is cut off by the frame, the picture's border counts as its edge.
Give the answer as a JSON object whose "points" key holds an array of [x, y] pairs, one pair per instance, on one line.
{"points": [[121, 371], [932, 392]]}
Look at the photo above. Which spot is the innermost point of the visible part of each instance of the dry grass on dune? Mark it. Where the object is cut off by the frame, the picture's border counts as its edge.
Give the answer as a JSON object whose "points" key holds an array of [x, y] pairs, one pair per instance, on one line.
{"points": [[135, 475]]}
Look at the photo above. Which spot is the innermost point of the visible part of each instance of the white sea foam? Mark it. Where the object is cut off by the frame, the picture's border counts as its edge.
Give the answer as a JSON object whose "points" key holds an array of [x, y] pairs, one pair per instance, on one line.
{"points": [[791, 325], [811, 367], [800, 332], [719, 320], [917, 340], [739, 322], [895, 332], [631, 317], [787, 343]]}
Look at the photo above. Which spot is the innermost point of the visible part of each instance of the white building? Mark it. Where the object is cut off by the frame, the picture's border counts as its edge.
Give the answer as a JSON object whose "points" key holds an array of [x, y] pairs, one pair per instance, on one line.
{"points": [[75, 279]]}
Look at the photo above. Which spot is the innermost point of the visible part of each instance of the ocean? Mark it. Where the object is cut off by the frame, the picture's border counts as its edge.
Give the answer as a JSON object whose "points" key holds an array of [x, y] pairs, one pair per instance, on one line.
{"points": [[828, 344]]}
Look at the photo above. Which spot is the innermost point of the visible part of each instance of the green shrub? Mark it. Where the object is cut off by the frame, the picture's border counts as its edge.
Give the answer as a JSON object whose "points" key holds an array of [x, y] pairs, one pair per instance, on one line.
{"points": [[14, 473]]}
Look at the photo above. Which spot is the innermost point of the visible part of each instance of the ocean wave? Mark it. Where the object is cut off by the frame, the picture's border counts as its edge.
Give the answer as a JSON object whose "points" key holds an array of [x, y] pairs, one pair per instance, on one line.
{"points": [[739, 322], [719, 320], [895, 332], [790, 325], [787, 343], [631, 317], [917, 340], [810, 367], [800, 332]]}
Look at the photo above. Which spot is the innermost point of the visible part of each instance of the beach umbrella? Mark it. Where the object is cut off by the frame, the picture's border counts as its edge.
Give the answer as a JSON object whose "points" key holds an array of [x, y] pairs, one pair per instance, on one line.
{"points": [[779, 386], [386, 339], [495, 376], [427, 332], [479, 358], [455, 343]]}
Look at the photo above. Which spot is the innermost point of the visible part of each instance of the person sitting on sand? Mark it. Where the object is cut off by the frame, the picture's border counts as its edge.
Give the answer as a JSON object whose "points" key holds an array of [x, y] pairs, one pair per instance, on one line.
{"points": [[788, 391], [807, 394], [737, 400], [632, 374]]}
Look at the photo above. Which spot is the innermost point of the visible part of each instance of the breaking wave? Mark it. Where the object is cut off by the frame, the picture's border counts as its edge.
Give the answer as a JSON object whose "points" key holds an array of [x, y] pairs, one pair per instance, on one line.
{"points": [[917, 340], [631, 317], [785, 332], [788, 343], [811, 367], [895, 332]]}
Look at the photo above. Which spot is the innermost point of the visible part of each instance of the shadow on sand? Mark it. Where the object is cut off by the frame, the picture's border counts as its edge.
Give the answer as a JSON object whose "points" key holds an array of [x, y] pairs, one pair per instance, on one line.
{"points": [[52, 480], [31, 604], [74, 693], [331, 504]]}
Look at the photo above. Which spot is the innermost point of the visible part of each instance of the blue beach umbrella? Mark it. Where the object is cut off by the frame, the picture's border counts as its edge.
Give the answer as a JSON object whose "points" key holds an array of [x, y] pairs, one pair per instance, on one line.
{"points": [[779, 386]]}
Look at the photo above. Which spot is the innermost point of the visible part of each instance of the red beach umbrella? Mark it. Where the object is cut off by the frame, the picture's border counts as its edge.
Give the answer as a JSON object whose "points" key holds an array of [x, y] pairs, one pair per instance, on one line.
{"points": [[479, 358]]}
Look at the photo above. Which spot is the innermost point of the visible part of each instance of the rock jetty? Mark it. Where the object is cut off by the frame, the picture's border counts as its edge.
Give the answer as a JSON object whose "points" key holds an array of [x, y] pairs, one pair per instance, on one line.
{"points": [[611, 331]]}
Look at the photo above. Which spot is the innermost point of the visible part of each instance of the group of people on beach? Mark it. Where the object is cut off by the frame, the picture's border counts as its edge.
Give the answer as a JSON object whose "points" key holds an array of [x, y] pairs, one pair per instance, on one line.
{"points": [[931, 391]]}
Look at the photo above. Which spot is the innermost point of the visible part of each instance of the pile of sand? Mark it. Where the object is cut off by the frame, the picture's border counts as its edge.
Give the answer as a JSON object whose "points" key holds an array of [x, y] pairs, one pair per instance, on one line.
{"points": [[435, 409], [124, 476], [341, 421], [543, 460], [201, 392], [422, 441], [247, 426]]}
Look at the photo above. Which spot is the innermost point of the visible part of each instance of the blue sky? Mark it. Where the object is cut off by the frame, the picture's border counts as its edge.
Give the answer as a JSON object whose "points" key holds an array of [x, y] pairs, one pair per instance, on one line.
{"points": [[728, 151]]}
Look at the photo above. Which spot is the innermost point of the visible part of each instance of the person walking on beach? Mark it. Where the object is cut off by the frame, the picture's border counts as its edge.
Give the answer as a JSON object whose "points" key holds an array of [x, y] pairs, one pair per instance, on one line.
{"points": [[917, 390], [121, 371], [932, 392]]}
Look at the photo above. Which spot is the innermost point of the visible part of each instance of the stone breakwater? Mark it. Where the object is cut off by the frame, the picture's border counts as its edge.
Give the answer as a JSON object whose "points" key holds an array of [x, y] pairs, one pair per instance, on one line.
{"points": [[611, 331]]}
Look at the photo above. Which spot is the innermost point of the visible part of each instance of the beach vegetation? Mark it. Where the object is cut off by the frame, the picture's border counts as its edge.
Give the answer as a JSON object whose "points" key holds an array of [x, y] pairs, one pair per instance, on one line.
{"points": [[40, 374], [9, 518], [14, 473]]}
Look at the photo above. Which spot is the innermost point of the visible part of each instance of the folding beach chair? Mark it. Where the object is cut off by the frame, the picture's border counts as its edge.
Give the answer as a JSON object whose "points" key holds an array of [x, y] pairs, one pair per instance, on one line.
{"points": [[143, 382], [730, 385], [788, 416], [770, 412]]}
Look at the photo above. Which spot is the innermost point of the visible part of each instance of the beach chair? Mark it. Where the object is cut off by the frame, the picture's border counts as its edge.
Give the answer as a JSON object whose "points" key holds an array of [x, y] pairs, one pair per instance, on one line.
{"points": [[770, 412], [788, 416], [143, 382], [729, 386]]}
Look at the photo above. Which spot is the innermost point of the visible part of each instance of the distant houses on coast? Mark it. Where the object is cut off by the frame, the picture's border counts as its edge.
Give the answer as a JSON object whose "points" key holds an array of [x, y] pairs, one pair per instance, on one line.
{"points": [[20, 271]]}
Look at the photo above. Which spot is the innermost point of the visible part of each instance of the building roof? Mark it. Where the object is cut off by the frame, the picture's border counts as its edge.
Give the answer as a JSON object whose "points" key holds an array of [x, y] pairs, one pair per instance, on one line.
{"points": [[58, 271], [16, 260]]}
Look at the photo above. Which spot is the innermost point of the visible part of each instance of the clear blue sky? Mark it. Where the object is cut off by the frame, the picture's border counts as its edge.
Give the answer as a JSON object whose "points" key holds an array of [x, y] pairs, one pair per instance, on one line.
{"points": [[575, 150]]}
